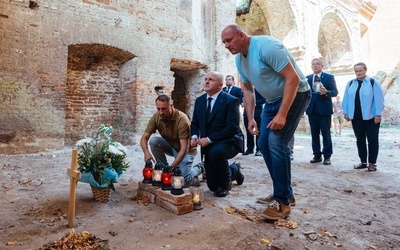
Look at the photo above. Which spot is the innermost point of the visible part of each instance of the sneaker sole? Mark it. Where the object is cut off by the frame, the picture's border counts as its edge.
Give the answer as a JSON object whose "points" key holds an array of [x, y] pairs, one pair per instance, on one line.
{"points": [[263, 201], [267, 202], [273, 218]]}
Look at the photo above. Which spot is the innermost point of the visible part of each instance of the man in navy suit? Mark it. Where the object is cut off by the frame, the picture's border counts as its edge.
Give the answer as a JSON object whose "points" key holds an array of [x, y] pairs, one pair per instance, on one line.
{"points": [[320, 111], [215, 128], [230, 88], [260, 100]]}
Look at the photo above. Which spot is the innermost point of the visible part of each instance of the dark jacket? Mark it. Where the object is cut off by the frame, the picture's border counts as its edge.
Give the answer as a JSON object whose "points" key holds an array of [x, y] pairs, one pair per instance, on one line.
{"points": [[322, 104], [223, 123], [236, 92], [260, 101]]}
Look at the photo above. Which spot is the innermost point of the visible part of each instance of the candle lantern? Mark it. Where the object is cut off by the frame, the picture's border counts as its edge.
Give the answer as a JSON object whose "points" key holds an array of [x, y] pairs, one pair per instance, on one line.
{"points": [[166, 178], [177, 181], [158, 168], [148, 172], [197, 197]]}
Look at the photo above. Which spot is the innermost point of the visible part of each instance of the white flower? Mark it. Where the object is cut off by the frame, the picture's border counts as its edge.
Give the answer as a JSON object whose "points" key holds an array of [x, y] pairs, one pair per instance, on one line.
{"points": [[114, 150], [120, 147], [84, 141]]}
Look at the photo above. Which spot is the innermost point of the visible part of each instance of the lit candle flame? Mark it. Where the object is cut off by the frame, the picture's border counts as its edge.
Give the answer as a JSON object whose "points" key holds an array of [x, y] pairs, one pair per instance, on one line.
{"points": [[196, 198]]}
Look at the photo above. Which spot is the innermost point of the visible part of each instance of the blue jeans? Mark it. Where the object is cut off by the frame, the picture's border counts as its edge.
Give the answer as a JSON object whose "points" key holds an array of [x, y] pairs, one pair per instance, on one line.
{"points": [[160, 148], [274, 144]]}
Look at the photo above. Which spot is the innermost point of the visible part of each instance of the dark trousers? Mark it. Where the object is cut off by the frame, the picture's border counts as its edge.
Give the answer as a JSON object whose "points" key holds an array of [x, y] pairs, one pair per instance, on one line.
{"points": [[321, 124], [367, 130], [219, 172], [249, 136]]}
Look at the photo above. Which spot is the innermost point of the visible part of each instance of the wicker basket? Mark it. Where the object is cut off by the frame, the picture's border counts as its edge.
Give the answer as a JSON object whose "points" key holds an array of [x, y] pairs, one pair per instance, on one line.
{"points": [[101, 194]]}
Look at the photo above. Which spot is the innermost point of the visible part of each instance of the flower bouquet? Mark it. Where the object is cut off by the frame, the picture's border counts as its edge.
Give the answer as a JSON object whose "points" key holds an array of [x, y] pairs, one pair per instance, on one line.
{"points": [[101, 160]]}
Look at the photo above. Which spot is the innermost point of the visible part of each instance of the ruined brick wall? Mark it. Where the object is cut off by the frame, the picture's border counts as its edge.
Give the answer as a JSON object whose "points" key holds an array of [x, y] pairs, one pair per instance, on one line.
{"points": [[67, 66], [42, 96]]}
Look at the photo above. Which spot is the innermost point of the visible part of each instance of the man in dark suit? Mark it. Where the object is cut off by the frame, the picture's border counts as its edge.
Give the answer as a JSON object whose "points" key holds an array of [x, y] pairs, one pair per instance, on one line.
{"points": [[260, 100], [218, 134], [231, 89], [320, 111]]}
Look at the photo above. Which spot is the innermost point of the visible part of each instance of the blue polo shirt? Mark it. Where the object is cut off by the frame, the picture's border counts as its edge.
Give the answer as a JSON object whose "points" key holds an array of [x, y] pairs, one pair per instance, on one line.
{"points": [[266, 57]]}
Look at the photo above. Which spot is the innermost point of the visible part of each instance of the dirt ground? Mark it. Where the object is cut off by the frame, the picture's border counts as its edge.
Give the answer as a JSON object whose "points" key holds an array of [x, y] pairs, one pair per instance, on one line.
{"points": [[337, 207]]}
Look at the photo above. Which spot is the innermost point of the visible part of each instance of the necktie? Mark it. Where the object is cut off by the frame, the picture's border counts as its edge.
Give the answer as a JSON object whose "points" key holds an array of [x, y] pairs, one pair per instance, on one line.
{"points": [[208, 110], [316, 83]]}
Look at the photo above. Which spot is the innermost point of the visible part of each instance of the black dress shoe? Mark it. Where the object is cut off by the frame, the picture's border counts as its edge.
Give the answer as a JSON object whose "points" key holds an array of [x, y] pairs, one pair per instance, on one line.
{"points": [[248, 152], [327, 161], [240, 177], [316, 159], [220, 192]]}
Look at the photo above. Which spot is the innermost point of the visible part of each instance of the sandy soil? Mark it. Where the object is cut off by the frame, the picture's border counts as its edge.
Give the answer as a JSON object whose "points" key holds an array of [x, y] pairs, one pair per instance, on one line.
{"points": [[337, 207]]}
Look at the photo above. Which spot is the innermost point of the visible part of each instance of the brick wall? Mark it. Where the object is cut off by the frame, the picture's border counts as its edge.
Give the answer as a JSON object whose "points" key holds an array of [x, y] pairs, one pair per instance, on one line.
{"points": [[67, 66]]}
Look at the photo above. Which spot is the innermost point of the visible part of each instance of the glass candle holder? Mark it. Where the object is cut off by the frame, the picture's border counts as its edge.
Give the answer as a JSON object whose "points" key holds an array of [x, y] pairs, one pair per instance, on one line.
{"points": [[197, 197], [147, 172], [158, 168], [166, 178], [177, 182]]}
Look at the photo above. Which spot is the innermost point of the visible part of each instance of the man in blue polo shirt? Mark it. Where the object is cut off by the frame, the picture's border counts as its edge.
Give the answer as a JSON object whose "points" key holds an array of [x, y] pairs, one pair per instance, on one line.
{"points": [[265, 63]]}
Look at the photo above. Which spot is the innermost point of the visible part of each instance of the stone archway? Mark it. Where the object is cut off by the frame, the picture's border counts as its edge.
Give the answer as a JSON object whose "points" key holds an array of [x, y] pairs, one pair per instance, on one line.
{"points": [[334, 43], [265, 18], [99, 90]]}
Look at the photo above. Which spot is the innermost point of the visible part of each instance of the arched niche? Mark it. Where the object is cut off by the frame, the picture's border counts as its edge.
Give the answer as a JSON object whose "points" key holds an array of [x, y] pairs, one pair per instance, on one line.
{"points": [[265, 18], [334, 42], [100, 90]]}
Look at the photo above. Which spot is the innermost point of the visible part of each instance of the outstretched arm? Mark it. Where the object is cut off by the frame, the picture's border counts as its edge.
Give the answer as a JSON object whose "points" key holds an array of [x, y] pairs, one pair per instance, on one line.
{"points": [[249, 103], [144, 145]]}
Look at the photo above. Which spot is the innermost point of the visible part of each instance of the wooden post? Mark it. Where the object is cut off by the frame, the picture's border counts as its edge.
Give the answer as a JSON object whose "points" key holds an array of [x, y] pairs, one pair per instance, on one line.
{"points": [[74, 175]]}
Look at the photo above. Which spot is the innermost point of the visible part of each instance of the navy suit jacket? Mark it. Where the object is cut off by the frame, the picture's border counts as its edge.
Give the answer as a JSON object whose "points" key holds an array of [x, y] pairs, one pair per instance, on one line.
{"points": [[236, 92], [223, 122], [322, 104]]}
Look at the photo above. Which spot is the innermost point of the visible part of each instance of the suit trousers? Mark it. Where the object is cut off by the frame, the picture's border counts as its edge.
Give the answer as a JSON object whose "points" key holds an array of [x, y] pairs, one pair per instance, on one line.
{"points": [[249, 136], [274, 144], [321, 124], [219, 172]]}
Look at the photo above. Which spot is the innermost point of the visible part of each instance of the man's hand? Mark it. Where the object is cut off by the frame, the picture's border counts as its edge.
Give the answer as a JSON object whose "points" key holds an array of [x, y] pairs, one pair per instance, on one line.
{"points": [[148, 156], [323, 90], [277, 123], [252, 127], [194, 142], [203, 142]]}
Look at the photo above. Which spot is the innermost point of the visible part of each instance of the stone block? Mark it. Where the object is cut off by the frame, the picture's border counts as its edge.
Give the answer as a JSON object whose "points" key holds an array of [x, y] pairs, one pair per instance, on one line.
{"points": [[150, 196], [176, 209], [184, 198], [177, 204]]}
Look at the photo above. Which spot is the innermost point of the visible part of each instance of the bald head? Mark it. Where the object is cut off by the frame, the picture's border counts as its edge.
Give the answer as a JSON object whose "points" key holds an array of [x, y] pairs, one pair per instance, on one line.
{"points": [[235, 39], [214, 82], [233, 28]]}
